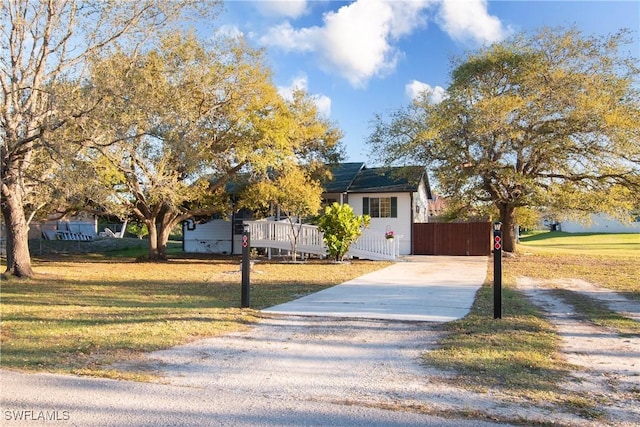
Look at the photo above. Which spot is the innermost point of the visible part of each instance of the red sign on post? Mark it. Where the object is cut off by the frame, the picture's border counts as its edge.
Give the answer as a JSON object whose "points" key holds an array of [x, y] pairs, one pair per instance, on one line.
{"points": [[497, 241]]}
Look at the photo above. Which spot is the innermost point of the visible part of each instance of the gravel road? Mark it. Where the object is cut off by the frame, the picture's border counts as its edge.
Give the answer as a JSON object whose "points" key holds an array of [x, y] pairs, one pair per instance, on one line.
{"points": [[285, 371]]}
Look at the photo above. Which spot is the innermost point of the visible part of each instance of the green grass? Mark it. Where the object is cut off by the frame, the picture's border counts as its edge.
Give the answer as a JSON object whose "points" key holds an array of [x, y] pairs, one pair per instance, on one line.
{"points": [[598, 313], [81, 315], [558, 242], [609, 260]]}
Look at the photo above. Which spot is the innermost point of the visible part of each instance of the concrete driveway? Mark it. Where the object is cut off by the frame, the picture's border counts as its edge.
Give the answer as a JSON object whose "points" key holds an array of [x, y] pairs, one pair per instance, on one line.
{"points": [[422, 288]]}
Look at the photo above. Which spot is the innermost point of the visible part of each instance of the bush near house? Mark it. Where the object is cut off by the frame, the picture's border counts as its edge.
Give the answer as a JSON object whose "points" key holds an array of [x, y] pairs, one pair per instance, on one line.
{"points": [[341, 227]]}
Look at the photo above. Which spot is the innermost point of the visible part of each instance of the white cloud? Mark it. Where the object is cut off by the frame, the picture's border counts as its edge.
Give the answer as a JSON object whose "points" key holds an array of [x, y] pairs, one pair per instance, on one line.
{"points": [[417, 89], [356, 41], [281, 8], [323, 104], [359, 40], [227, 31], [301, 82], [469, 21], [288, 38]]}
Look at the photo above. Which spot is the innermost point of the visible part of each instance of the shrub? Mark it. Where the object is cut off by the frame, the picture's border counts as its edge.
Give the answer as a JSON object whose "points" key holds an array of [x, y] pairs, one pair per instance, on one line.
{"points": [[341, 227]]}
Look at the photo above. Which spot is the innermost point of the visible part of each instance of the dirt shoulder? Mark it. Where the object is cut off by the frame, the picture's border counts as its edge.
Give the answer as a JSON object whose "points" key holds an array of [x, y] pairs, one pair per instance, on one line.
{"points": [[610, 363]]}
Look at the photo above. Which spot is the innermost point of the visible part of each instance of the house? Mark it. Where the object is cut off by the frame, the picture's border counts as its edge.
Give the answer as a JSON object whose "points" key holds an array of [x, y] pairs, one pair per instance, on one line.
{"points": [[600, 223], [394, 198]]}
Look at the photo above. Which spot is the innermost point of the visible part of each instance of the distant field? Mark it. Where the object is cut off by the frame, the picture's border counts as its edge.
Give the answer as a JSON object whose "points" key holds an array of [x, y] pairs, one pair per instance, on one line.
{"points": [[627, 244], [609, 260]]}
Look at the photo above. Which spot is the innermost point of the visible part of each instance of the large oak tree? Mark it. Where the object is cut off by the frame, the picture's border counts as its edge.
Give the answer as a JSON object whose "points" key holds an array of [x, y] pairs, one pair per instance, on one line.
{"points": [[45, 47], [181, 120], [544, 120]]}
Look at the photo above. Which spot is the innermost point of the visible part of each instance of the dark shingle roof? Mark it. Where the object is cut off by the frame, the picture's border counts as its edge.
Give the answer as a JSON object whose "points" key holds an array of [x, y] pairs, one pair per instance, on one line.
{"points": [[343, 175], [355, 178], [382, 180]]}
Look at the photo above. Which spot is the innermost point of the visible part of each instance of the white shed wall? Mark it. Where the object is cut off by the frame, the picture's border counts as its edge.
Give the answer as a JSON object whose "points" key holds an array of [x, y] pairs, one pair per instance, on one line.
{"points": [[213, 237], [600, 224]]}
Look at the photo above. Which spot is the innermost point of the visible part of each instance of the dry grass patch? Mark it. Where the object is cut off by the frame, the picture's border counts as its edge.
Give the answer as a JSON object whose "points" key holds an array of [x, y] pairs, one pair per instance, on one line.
{"points": [[81, 317], [516, 354]]}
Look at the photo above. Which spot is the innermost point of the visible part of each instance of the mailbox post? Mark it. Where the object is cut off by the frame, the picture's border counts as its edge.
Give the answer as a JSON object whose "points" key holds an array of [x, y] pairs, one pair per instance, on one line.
{"points": [[497, 270], [246, 266]]}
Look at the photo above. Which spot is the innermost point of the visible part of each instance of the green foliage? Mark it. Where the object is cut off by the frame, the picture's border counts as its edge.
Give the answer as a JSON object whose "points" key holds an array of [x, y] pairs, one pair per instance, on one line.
{"points": [[527, 218], [185, 118], [138, 229], [46, 130], [341, 227], [550, 120]]}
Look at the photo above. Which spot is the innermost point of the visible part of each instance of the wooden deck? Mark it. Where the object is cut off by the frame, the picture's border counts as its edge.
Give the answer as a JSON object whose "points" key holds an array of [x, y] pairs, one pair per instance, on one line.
{"points": [[278, 235]]}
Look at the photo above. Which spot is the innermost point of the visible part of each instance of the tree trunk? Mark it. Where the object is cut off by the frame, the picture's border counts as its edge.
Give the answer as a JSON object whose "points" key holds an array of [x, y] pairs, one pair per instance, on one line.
{"points": [[159, 231], [163, 238], [18, 256], [153, 240], [295, 233], [507, 217]]}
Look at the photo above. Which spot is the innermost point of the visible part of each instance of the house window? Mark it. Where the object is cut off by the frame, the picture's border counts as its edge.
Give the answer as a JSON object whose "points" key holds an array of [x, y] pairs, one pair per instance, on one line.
{"points": [[380, 207]]}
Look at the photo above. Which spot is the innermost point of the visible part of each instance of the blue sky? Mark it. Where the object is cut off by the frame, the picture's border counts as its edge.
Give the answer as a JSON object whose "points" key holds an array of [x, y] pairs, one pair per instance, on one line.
{"points": [[368, 57]]}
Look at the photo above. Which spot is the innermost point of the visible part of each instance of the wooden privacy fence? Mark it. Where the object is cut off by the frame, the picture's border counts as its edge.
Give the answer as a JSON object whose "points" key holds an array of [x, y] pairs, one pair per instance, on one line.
{"points": [[470, 238]]}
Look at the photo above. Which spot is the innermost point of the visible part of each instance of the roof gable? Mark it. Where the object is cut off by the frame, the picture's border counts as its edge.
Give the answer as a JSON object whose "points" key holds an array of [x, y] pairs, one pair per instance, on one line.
{"points": [[388, 179], [342, 176], [356, 178]]}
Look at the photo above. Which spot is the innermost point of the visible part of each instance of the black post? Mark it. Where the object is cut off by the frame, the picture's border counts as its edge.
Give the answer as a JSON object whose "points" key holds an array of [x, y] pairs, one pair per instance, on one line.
{"points": [[497, 271], [246, 266]]}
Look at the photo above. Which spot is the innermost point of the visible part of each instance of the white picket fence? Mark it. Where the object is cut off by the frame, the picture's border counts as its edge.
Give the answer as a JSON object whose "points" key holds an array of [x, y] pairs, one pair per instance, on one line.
{"points": [[279, 235]]}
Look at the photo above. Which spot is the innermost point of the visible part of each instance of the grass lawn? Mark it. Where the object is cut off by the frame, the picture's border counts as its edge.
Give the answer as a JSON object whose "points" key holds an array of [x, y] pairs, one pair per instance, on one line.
{"points": [[519, 354], [558, 242], [81, 314]]}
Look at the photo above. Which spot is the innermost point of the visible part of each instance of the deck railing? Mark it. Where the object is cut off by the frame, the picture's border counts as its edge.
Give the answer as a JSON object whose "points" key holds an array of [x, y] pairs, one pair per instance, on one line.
{"points": [[279, 235]]}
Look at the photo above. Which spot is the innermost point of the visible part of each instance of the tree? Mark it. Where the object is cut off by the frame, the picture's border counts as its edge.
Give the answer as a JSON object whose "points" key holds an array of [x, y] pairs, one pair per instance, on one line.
{"points": [[548, 120], [45, 48], [137, 229], [341, 227], [294, 193], [181, 114]]}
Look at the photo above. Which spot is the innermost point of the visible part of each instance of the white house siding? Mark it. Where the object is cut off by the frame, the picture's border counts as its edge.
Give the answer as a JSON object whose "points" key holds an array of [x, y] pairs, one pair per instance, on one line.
{"points": [[213, 237], [401, 226], [600, 224]]}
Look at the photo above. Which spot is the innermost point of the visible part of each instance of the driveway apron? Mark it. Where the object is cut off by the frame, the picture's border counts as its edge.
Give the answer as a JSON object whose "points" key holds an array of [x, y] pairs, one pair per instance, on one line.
{"points": [[422, 288]]}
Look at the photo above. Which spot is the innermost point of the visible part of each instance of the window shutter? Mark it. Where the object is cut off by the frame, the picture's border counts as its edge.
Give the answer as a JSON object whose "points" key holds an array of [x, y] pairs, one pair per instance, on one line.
{"points": [[394, 207], [365, 206]]}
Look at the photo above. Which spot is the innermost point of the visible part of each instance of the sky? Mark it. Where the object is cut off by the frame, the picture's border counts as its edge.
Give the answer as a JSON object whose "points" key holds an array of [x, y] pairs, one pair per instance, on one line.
{"points": [[366, 57]]}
